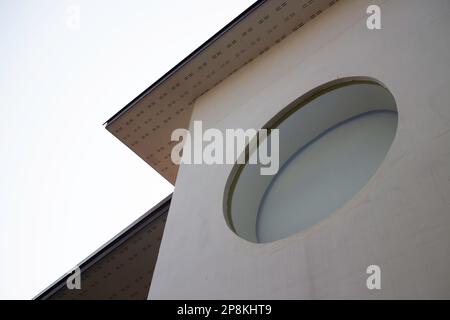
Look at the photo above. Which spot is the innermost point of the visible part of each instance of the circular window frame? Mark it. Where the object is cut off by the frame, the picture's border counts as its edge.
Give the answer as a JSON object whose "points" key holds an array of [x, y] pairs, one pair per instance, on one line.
{"points": [[275, 122]]}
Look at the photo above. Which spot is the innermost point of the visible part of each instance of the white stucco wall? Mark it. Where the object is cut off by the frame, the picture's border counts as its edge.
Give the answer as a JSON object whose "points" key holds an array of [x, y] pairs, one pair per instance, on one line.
{"points": [[400, 220]]}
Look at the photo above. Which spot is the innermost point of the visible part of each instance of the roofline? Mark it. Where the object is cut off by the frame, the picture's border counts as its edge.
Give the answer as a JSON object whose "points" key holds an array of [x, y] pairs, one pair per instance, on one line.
{"points": [[191, 56], [152, 214]]}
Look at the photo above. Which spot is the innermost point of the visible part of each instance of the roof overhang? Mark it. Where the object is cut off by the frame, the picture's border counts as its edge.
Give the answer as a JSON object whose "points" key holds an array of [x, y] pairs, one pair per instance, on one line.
{"points": [[145, 125], [113, 271]]}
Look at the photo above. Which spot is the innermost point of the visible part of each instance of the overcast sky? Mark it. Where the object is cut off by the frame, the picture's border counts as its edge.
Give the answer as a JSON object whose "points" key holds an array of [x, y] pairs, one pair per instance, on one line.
{"points": [[67, 185]]}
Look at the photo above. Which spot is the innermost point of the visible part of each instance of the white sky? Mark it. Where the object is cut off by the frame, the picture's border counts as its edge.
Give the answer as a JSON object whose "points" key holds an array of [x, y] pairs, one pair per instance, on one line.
{"points": [[67, 185]]}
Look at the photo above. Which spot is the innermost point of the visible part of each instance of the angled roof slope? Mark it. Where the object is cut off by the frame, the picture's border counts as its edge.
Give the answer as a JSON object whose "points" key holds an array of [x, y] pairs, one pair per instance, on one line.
{"points": [[123, 267], [146, 123]]}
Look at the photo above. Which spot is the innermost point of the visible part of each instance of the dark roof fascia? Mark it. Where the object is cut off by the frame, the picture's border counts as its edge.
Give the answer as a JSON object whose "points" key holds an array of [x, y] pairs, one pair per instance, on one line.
{"points": [[183, 62], [161, 208]]}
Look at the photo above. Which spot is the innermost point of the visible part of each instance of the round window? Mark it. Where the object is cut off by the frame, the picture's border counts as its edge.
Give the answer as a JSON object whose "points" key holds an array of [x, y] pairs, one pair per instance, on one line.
{"points": [[330, 145]]}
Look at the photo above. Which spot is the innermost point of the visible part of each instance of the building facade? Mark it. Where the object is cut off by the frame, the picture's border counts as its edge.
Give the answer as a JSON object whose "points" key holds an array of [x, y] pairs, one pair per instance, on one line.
{"points": [[373, 101]]}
